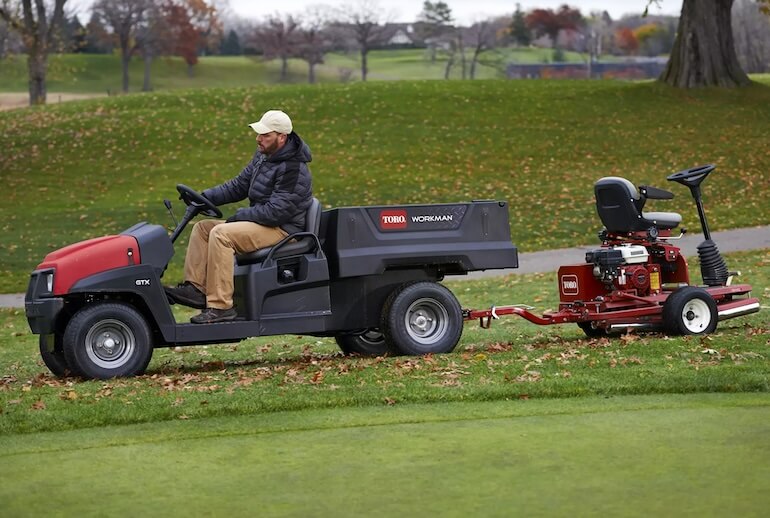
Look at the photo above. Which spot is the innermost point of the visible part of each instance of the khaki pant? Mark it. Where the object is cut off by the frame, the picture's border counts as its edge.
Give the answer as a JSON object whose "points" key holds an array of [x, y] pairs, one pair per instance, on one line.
{"points": [[213, 244]]}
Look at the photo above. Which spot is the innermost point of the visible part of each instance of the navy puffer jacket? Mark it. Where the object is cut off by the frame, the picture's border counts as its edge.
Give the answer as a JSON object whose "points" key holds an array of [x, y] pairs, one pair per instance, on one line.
{"points": [[279, 188]]}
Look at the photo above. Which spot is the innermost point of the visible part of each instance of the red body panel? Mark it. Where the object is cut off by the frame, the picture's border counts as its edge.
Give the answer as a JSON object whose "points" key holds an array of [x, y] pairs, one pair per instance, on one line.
{"points": [[80, 260], [577, 282]]}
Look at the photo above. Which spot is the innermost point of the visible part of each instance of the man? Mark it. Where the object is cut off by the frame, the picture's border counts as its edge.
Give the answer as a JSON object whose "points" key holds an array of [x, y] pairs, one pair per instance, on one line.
{"points": [[278, 185]]}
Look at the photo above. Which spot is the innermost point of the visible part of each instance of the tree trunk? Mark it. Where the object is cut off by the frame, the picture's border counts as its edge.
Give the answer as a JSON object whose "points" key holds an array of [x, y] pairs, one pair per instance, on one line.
{"points": [[704, 50], [284, 68], [37, 64], [364, 66], [190, 70], [474, 61], [310, 72], [124, 58], [147, 85]]}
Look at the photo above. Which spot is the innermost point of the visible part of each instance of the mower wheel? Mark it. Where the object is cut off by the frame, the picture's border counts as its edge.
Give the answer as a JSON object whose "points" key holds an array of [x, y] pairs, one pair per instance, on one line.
{"points": [[590, 331], [52, 353], [369, 343], [107, 340], [690, 311], [422, 318]]}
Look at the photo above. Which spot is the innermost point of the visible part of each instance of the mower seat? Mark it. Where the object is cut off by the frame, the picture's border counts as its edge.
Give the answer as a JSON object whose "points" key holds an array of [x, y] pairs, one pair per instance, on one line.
{"points": [[619, 205], [305, 241]]}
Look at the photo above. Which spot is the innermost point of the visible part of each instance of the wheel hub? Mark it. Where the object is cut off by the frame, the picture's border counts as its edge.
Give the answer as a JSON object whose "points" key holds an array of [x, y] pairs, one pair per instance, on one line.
{"points": [[421, 322], [108, 344]]}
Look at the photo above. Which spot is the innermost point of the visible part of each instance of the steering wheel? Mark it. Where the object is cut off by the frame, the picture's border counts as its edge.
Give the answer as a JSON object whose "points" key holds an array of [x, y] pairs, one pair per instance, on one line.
{"points": [[692, 177], [195, 199]]}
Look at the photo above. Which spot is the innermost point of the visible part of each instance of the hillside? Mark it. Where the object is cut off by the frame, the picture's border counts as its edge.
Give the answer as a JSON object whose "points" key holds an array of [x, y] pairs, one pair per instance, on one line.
{"points": [[82, 169]]}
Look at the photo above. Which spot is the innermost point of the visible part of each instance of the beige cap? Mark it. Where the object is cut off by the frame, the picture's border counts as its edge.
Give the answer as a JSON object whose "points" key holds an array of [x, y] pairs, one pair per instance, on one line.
{"points": [[273, 120]]}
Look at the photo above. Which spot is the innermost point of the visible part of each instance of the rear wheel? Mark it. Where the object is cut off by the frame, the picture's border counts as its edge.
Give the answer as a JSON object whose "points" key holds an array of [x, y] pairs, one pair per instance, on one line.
{"points": [[690, 311], [591, 331], [107, 340], [422, 318], [369, 343], [52, 353]]}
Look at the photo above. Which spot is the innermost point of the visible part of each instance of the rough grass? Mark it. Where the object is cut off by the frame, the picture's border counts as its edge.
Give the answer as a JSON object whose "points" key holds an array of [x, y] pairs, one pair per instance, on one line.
{"points": [[84, 169], [512, 360]]}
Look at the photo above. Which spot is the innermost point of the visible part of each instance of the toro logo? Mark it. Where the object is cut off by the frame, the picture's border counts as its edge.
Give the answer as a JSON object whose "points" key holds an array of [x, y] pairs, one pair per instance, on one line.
{"points": [[392, 219], [569, 285]]}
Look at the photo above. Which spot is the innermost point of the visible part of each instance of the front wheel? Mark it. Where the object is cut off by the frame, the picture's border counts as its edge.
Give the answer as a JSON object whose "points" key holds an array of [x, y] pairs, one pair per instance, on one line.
{"points": [[690, 311], [422, 318], [52, 353], [369, 343], [107, 340]]}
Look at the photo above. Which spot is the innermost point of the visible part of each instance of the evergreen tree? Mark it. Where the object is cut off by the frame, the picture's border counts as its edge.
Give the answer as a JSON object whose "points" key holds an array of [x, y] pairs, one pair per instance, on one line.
{"points": [[520, 33], [231, 46]]}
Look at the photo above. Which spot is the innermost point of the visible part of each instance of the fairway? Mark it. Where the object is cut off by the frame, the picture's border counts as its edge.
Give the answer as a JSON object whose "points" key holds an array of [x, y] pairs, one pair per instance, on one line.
{"points": [[703, 454]]}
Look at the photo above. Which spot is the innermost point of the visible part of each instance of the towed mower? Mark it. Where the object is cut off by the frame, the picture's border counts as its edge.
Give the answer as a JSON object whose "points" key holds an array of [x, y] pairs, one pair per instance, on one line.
{"points": [[369, 277], [639, 278]]}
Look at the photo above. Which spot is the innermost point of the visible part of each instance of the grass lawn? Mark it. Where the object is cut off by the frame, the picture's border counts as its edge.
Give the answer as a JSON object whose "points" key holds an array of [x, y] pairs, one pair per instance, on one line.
{"points": [[513, 359], [700, 454], [83, 169]]}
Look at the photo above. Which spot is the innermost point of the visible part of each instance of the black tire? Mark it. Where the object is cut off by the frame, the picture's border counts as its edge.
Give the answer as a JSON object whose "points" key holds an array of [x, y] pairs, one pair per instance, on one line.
{"points": [[107, 340], [422, 318], [690, 311], [52, 353], [590, 331], [369, 343]]}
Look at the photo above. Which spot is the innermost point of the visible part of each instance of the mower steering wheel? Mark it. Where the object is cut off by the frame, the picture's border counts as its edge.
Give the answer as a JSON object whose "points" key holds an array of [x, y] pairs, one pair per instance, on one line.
{"points": [[691, 177], [195, 199]]}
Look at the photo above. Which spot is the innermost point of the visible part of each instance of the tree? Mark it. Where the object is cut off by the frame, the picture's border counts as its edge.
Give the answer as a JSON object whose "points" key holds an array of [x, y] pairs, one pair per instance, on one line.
{"points": [[481, 36], [365, 22], [314, 42], [37, 26], [752, 36], [434, 22], [278, 39], [652, 39], [626, 40], [124, 18], [520, 33], [549, 22], [704, 49], [153, 37], [98, 40], [194, 28], [231, 46]]}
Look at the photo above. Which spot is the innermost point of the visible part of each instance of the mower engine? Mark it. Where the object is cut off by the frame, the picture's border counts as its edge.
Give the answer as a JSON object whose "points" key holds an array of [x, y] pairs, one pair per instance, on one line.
{"points": [[625, 267]]}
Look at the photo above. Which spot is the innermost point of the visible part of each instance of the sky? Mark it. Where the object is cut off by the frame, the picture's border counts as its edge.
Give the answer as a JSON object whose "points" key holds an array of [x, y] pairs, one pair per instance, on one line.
{"points": [[465, 11]]}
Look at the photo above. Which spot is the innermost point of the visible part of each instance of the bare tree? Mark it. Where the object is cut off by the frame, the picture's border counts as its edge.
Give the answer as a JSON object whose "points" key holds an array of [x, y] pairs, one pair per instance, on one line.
{"points": [[481, 36], [37, 26], [124, 17], [314, 40], [455, 45], [152, 38], [365, 22], [752, 36], [278, 39]]}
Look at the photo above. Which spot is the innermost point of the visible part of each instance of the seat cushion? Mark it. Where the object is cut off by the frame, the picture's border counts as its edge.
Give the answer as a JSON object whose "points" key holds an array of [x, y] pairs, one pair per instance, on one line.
{"points": [[663, 220]]}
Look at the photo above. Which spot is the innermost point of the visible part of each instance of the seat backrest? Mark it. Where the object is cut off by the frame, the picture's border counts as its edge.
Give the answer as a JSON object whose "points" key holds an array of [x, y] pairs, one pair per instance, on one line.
{"points": [[301, 246], [313, 217], [619, 204]]}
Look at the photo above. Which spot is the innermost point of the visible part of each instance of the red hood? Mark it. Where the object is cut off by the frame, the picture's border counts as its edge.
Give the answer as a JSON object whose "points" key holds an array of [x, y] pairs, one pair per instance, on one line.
{"points": [[80, 260]]}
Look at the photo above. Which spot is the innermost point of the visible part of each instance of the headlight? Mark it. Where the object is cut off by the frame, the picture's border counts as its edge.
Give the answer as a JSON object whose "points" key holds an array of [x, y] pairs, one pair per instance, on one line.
{"points": [[49, 282]]}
